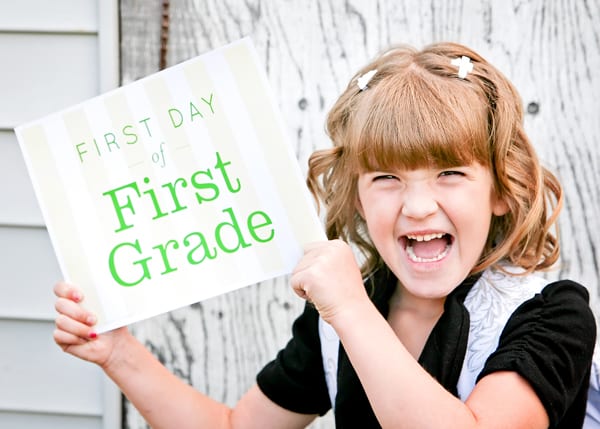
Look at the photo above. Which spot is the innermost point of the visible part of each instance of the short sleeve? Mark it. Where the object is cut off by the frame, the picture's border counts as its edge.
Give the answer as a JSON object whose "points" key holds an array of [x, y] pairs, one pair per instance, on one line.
{"points": [[549, 341], [295, 379]]}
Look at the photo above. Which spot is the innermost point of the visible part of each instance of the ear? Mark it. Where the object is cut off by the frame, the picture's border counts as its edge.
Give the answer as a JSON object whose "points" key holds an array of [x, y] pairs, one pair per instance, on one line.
{"points": [[499, 206]]}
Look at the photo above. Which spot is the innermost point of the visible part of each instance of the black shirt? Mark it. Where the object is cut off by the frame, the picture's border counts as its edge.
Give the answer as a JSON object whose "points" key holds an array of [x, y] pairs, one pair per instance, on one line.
{"points": [[548, 340]]}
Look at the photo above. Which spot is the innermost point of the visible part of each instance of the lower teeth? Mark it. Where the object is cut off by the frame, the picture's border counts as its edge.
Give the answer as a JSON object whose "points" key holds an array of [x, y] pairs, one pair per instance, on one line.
{"points": [[415, 258]]}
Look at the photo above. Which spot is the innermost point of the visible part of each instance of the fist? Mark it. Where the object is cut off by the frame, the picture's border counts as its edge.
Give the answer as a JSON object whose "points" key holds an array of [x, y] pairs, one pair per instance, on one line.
{"points": [[329, 277]]}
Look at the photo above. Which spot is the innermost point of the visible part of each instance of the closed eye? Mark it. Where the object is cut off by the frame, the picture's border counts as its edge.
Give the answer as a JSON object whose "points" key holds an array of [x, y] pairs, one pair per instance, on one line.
{"points": [[384, 177], [451, 173]]}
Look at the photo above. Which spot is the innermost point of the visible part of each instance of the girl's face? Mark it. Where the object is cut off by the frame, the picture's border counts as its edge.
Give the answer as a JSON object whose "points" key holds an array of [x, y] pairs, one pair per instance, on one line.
{"points": [[429, 224]]}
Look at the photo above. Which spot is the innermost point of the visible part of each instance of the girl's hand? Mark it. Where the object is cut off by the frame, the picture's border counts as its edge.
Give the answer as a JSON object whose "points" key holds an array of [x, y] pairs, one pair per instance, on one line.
{"points": [[329, 277], [74, 331]]}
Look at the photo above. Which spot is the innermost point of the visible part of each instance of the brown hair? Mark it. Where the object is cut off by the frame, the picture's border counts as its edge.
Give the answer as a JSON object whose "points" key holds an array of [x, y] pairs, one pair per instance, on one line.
{"points": [[416, 112]]}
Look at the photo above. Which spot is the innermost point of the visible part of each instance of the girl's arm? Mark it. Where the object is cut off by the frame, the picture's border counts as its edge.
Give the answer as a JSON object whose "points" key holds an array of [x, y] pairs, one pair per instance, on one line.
{"points": [[404, 395], [401, 392], [164, 400]]}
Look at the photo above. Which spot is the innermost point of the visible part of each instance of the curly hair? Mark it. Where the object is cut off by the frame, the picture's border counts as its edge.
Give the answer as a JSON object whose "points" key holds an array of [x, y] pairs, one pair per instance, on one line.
{"points": [[415, 113]]}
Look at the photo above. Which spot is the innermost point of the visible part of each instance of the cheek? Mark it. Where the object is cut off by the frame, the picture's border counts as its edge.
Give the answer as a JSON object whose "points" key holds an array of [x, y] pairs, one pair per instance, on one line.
{"points": [[473, 224], [476, 231], [381, 224]]}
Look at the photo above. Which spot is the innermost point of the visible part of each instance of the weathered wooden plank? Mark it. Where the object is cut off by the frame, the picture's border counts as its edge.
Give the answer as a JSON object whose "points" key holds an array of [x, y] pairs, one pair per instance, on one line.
{"points": [[310, 49]]}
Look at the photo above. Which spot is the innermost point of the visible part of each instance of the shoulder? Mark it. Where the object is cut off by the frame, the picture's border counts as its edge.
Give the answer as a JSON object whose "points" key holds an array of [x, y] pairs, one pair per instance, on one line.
{"points": [[512, 299], [549, 340], [295, 379], [304, 343], [529, 306], [506, 308], [561, 308]]}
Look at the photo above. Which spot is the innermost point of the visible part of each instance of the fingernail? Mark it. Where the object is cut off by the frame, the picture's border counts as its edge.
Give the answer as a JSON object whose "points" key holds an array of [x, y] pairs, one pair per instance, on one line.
{"points": [[76, 296], [93, 335], [91, 319]]}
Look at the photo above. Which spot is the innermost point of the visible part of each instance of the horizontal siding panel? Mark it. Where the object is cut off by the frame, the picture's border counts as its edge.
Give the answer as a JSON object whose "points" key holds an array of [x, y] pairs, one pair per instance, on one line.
{"points": [[43, 73], [41, 377], [18, 202], [19, 420], [29, 271], [55, 15], [53, 54]]}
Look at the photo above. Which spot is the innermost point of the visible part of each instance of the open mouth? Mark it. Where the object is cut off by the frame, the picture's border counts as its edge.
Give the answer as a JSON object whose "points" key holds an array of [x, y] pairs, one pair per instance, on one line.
{"points": [[427, 247]]}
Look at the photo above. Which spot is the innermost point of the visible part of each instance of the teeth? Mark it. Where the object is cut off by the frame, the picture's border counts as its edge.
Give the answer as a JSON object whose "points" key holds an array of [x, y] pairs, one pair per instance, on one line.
{"points": [[411, 255], [426, 237]]}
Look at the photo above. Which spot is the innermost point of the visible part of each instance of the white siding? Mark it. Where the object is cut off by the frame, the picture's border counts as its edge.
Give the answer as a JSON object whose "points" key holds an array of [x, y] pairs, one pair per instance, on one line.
{"points": [[36, 16], [18, 205], [54, 54], [26, 254], [46, 72]]}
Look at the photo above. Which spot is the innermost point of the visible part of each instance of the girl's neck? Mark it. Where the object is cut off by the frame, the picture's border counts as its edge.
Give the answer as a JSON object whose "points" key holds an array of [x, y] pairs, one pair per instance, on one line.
{"points": [[412, 318], [425, 308]]}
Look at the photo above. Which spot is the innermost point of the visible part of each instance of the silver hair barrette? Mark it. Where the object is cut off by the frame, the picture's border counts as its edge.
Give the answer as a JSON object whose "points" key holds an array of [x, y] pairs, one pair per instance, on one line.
{"points": [[464, 65], [363, 81]]}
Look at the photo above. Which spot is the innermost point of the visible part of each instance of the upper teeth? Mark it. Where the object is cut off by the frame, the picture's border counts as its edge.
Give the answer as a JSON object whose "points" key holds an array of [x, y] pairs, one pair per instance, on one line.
{"points": [[425, 237]]}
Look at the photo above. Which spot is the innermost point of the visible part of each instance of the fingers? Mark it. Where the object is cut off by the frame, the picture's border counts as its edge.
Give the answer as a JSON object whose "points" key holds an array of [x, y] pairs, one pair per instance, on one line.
{"points": [[303, 273], [325, 272], [66, 290], [65, 339], [73, 323], [73, 328], [298, 288], [72, 310]]}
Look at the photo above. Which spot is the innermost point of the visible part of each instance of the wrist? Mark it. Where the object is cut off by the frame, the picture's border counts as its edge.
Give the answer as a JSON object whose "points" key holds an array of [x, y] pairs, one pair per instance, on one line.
{"points": [[124, 345], [352, 311]]}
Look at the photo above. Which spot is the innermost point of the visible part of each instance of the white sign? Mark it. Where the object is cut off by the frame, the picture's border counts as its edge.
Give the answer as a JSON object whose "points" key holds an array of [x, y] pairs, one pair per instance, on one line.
{"points": [[173, 189]]}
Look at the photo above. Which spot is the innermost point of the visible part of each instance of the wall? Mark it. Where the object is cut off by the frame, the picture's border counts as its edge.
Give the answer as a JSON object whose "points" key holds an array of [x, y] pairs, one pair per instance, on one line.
{"points": [[549, 49], [53, 54]]}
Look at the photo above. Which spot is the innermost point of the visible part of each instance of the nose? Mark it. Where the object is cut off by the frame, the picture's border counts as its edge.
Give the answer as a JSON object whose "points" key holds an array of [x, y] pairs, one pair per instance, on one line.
{"points": [[419, 202]]}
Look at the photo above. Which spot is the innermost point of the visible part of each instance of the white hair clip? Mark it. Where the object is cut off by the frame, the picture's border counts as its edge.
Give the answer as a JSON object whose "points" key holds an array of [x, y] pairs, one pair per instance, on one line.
{"points": [[363, 81], [464, 65]]}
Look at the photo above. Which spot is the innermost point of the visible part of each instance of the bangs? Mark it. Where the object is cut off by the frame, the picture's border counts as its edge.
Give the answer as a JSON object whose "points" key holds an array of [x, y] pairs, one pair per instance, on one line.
{"points": [[419, 120]]}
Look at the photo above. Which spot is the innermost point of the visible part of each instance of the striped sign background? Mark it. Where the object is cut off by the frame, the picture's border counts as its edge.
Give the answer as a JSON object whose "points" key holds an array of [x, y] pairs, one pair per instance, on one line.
{"points": [[181, 152]]}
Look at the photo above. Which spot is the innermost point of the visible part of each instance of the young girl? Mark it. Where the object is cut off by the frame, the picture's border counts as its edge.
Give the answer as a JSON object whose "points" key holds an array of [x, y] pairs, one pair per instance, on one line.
{"points": [[445, 324]]}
